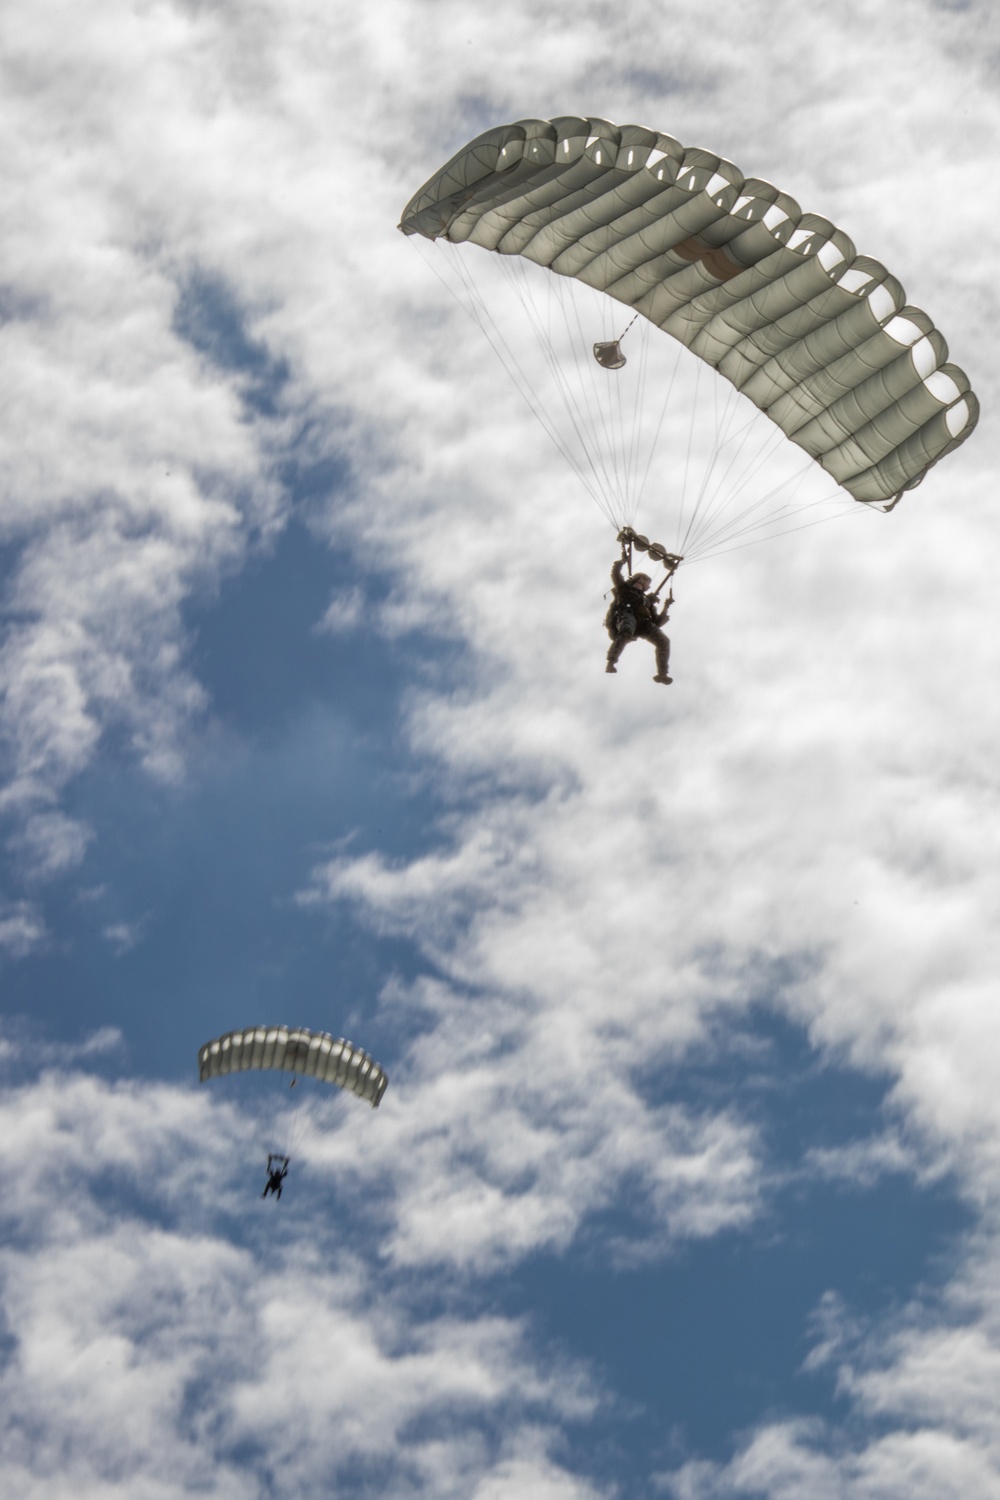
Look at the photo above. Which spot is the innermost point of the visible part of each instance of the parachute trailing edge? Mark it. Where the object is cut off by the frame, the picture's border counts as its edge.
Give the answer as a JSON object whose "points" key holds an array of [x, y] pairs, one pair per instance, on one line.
{"points": [[313, 1054], [776, 300]]}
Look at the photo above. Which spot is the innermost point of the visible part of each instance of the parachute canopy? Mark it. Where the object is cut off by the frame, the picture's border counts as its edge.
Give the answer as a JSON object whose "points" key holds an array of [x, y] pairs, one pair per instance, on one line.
{"points": [[313, 1054], [778, 301]]}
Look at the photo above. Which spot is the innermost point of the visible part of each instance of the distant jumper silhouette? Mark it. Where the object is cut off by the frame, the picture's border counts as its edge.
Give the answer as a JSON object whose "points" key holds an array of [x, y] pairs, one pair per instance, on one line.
{"points": [[275, 1175]]}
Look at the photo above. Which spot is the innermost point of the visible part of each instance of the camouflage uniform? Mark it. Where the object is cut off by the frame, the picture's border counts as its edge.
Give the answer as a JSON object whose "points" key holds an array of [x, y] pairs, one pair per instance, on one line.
{"points": [[633, 613]]}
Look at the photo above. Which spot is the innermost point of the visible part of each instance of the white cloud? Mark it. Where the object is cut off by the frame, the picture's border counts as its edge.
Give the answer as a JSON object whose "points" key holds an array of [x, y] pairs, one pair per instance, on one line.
{"points": [[787, 1460], [132, 472], [22, 927], [864, 1161], [808, 819], [49, 843], [921, 1385], [345, 612], [124, 936], [160, 1327]]}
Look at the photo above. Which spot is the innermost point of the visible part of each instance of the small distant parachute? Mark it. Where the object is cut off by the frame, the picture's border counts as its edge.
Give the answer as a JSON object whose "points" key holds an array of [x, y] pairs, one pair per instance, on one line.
{"points": [[309, 1054], [780, 313]]}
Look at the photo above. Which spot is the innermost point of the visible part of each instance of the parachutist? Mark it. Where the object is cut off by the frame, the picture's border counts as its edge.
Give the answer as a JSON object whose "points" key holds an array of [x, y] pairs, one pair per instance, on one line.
{"points": [[275, 1175], [634, 613]]}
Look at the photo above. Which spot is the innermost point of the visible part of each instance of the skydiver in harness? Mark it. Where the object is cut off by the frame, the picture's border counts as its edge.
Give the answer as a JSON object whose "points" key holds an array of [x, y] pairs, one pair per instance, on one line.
{"points": [[634, 610], [276, 1175]]}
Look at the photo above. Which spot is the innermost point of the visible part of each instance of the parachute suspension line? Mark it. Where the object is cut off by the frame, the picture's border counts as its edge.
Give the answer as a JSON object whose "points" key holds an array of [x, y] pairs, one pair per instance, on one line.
{"points": [[709, 535], [627, 427], [708, 525], [839, 515], [719, 502], [744, 524], [600, 420], [602, 403], [476, 309], [706, 477], [624, 473], [598, 490], [751, 470], [510, 361], [711, 496], [308, 1114], [730, 528], [636, 470], [480, 314], [712, 502], [621, 451], [709, 522], [679, 539], [717, 441], [275, 1126], [612, 412], [638, 406], [297, 1114], [599, 402], [598, 407], [765, 526], [659, 425], [622, 433]]}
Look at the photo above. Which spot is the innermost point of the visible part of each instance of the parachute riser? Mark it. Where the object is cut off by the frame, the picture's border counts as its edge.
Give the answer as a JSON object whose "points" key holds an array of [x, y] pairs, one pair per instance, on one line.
{"points": [[670, 560]]}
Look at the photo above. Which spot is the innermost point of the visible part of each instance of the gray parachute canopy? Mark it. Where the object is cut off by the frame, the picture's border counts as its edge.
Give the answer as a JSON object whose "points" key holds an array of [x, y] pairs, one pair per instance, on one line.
{"points": [[314, 1054], [777, 300]]}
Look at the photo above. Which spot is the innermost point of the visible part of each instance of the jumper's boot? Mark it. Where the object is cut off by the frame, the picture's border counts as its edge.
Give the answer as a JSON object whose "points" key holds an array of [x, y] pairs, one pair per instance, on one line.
{"points": [[662, 660]]}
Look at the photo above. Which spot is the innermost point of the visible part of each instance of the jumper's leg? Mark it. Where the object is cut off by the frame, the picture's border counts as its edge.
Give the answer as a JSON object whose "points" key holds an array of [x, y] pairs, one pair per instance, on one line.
{"points": [[618, 644], [662, 644]]}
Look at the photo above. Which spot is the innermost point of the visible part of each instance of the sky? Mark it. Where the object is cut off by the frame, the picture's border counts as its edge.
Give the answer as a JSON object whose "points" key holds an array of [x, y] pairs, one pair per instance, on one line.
{"points": [[687, 1179]]}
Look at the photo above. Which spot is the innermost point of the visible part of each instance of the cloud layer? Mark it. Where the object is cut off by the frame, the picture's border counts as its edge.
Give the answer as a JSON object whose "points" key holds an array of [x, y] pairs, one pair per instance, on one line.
{"points": [[204, 298]]}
